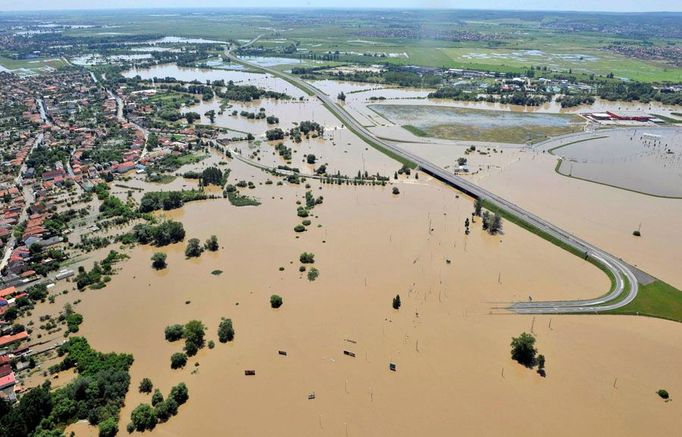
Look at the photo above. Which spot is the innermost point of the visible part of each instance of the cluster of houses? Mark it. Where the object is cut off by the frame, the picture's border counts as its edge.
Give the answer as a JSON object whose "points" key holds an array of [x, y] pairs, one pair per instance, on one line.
{"points": [[10, 345]]}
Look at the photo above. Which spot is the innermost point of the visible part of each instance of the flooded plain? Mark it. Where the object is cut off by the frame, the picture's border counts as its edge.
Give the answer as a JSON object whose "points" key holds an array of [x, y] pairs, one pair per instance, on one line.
{"points": [[449, 340], [644, 160], [450, 345]]}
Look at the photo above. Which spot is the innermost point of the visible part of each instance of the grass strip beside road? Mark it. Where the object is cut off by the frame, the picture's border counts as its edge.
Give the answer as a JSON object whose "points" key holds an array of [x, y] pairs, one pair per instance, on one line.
{"points": [[414, 130], [657, 299]]}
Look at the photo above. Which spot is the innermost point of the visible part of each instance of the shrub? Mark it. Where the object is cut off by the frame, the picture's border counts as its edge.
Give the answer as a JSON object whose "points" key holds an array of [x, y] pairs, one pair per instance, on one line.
{"points": [[146, 385], [396, 190], [225, 331], [307, 258], [663, 394], [313, 273], [178, 360], [165, 409], [143, 417], [159, 260], [523, 349], [193, 333], [174, 332], [396, 302], [157, 397], [194, 248], [179, 393], [276, 301], [637, 233], [212, 244], [108, 427], [211, 344], [299, 228]]}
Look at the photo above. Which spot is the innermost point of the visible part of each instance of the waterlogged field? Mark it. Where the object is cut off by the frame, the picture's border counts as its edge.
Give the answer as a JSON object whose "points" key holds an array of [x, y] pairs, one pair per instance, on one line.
{"points": [[450, 347], [643, 160], [479, 125]]}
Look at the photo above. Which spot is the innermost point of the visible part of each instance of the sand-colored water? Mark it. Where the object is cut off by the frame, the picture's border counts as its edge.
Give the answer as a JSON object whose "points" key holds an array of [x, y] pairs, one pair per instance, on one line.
{"points": [[449, 341], [603, 215], [454, 371]]}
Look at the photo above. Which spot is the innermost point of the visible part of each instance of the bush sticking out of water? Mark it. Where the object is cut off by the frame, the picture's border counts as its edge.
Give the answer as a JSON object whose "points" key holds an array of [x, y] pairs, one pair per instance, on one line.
{"points": [[193, 332], [663, 394], [276, 301], [194, 248], [299, 228], [157, 397], [179, 393], [216, 272], [307, 258], [225, 330], [396, 191], [173, 332], [211, 344], [396, 302], [637, 233], [146, 385], [523, 349], [212, 244], [313, 273], [159, 261], [178, 360], [108, 427], [143, 417]]}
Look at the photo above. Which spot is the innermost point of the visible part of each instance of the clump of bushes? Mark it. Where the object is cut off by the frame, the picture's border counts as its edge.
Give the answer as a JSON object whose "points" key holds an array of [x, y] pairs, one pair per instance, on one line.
{"points": [[307, 258], [276, 301], [225, 330], [178, 360]]}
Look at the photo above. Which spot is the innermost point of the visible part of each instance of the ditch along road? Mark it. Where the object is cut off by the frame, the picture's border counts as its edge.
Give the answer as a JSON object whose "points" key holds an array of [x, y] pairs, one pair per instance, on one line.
{"points": [[624, 282]]}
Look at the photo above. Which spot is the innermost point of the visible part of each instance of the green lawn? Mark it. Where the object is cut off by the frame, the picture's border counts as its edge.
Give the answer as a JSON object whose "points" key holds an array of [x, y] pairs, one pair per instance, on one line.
{"points": [[657, 299]]}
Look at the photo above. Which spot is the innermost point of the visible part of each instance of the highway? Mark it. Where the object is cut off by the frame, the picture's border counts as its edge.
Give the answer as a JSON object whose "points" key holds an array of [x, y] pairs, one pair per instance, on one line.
{"points": [[625, 286]]}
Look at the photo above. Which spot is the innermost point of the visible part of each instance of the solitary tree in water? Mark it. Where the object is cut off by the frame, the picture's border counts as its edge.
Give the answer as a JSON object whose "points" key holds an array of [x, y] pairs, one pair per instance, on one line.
{"points": [[396, 302], [159, 260], [523, 349]]}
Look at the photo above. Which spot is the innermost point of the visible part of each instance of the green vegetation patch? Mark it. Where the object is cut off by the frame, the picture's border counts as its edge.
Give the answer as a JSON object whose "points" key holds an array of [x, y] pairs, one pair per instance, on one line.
{"points": [[657, 299]]}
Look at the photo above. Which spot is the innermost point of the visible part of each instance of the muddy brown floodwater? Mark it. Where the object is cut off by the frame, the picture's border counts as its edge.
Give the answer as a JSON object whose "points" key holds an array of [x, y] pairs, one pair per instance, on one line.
{"points": [[449, 340], [450, 345]]}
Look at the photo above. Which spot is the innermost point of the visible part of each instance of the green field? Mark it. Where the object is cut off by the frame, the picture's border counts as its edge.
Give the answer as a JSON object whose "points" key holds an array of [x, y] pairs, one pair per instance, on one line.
{"points": [[31, 66], [657, 299], [518, 41]]}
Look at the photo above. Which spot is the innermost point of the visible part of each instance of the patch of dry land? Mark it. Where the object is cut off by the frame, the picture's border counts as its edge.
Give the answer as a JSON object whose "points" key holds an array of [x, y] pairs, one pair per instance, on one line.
{"points": [[449, 342]]}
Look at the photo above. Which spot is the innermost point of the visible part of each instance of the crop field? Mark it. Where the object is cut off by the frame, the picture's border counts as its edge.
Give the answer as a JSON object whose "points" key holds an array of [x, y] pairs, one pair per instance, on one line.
{"points": [[496, 43]]}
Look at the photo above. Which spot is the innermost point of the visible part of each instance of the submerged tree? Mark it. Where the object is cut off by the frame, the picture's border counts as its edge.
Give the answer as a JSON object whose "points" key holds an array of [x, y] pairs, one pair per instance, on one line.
{"points": [[159, 260], [523, 349], [194, 248], [396, 302], [212, 244]]}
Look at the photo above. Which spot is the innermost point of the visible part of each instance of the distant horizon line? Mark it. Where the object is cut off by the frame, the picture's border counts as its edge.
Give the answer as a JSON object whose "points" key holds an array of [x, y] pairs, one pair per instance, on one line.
{"points": [[339, 8]]}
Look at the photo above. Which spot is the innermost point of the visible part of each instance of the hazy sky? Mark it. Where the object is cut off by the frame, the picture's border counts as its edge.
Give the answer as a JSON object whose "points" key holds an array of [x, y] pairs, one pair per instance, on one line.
{"points": [[575, 5]]}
